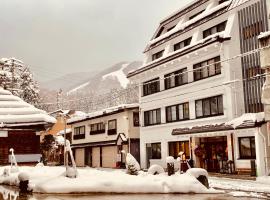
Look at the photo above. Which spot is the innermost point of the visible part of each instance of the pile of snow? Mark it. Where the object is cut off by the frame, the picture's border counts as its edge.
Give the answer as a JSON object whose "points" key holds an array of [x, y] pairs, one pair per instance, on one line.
{"points": [[155, 169], [170, 160], [196, 172], [14, 111], [264, 34], [246, 119], [119, 75], [263, 179], [23, 176], [52, 180]]}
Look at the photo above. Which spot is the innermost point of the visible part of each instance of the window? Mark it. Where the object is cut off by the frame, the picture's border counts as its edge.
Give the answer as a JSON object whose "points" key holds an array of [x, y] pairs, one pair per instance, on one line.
{"points": [[136, 119], [156, 150], [112, 127], [247, 148], [215, 29], [159, 32], [182, 44], [176, 78], [193, 16], [157, 55], [97, 128], [209, 107], [222, 1], [168, 29], [79, 133], [177, 112], [176, 147], [151, 87], [207, 69], [152, 117]]}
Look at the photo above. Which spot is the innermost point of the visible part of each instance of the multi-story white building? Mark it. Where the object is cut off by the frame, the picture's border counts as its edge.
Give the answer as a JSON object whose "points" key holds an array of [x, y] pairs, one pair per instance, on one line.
{"points": [[187, 96], [98, 138]]}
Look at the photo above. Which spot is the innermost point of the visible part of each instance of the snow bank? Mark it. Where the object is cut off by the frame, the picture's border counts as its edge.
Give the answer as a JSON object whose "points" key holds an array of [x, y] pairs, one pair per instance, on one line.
{"points": [[155, 169], [52, 180], [196, 172], [263, 179], [170, 159]]}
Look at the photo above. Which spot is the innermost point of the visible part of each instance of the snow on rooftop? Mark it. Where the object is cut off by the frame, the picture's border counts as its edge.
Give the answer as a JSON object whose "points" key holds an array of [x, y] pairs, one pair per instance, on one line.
{"points": [[264, 34], [15, 111], [119, 75], [62, 132], [102, 112], [246, 118], [182, 26]]}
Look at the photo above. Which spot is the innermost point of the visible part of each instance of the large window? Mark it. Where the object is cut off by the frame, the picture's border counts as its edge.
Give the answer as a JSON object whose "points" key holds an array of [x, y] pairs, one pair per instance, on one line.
{"points": [[177, 112], [79, 133], [182, 44], [112, 127], [176, 78], [176, 147], [152, 117], [151, 87], [97, 128], [215, 29], [156, 150], [157, 55], [247, 148], [207, 69], [136, 119], [211, 106]]}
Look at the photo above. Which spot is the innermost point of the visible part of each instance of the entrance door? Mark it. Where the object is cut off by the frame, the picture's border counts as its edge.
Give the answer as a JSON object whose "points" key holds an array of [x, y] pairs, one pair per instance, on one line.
{"points": [[215, 148], [88, 156]]}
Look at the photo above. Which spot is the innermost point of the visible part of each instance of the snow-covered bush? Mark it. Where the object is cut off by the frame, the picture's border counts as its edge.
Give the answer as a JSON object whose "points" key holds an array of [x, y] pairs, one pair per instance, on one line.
{"points": [[40, 164], [155, 169], [71, 172], [170, 160], [133, 167], [6, 172]]}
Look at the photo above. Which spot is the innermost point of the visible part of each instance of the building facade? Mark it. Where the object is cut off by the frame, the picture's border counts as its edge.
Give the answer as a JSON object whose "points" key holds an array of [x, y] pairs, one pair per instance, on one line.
{"points": [[21, 124], [98, 138], [192, 86]]}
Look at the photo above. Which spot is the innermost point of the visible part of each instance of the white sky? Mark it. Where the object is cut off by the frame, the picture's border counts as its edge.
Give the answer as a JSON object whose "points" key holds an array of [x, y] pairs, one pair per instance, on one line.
{"points": [[55, 37]]}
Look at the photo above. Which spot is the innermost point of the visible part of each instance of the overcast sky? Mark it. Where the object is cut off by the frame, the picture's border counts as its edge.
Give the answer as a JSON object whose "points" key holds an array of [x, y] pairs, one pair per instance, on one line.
{"points": [[55, 37]]}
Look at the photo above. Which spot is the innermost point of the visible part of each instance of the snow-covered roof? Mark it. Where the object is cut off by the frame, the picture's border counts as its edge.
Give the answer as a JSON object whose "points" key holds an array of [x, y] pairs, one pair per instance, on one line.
{"points": [[62, 132], [264, 35], [247, 120], [16, 112], [102, 112]]}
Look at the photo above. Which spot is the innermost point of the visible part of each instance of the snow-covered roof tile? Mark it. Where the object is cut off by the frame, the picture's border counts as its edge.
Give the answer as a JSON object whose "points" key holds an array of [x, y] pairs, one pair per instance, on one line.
{"points": [[101, 112], [13, 110], [264, 34]]}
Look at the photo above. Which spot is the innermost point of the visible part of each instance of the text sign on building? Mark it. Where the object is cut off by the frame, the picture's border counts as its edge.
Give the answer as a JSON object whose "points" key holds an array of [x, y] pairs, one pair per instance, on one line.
{"points": [[3, 134]]}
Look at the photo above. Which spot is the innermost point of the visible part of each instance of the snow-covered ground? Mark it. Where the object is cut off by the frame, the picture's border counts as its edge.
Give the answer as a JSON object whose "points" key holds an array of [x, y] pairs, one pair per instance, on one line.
{"points": [[258, 186], [51, 180]]}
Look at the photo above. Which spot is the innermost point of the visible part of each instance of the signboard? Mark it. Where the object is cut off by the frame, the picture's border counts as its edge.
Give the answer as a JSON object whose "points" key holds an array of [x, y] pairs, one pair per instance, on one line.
{"points": [[3, 134]]}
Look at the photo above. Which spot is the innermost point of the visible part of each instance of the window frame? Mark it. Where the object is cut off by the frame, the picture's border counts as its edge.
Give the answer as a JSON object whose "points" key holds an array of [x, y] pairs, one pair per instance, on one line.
{"points": [[177, 112], [136, 119], [100, 128], [176, 75], [79, 132], [214, 29], [253, 154], [151, 87], [157, 55], [179, 144], [151, 112], [182, 44], [156, 154], [198, 71], [112, 131], [219, 103]]}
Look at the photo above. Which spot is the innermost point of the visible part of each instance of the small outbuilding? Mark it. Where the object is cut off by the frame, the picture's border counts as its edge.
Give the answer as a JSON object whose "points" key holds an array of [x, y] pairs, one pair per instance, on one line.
{"points": [[20, 126]]}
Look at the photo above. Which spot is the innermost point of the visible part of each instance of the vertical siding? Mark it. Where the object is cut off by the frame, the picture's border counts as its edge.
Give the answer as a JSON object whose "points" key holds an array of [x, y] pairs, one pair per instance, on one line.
{"points": [[252, 21]]}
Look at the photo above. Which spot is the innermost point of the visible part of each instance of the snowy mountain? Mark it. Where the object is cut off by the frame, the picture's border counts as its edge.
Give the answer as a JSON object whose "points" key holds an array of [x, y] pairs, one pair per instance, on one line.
{"points": [[110, 78]]}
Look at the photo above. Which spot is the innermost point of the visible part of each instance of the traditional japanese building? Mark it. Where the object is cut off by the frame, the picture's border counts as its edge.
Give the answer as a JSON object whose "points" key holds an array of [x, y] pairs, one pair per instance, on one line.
{"points": [[98, 138], [20, 127], [196, 83]]}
